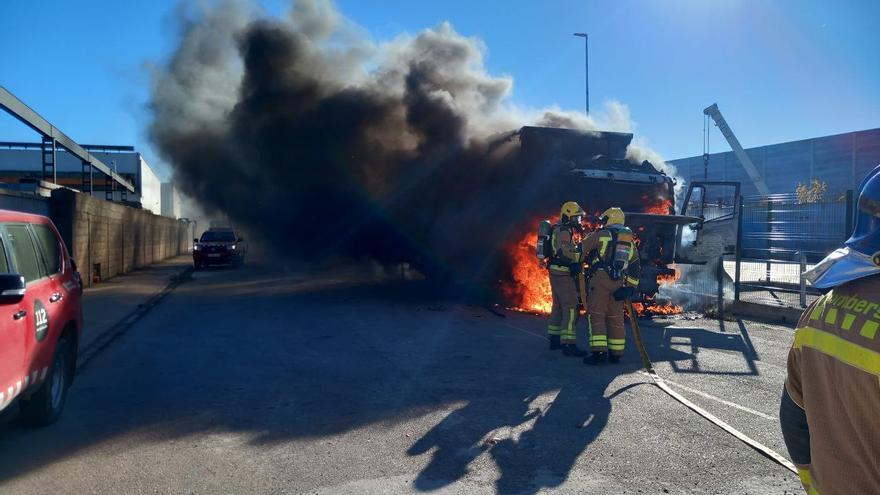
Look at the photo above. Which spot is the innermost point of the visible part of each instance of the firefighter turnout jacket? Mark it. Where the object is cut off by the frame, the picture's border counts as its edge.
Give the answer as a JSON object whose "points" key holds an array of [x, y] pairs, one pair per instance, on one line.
{"points": [[613, 262], [830, 409], [564, 312], [565, 251]]}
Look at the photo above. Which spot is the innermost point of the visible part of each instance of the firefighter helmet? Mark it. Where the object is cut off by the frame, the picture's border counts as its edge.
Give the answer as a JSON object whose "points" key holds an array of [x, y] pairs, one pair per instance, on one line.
{"points": [[613, 216], [860, 255], [570, 210]]}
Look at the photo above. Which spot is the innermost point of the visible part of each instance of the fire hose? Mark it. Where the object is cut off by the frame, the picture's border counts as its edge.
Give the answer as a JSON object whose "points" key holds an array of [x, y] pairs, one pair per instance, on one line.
{"points": [[649, 369], [582, 281]]}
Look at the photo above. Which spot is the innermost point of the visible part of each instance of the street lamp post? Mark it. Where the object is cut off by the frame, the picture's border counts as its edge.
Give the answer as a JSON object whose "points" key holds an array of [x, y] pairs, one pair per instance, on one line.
{"points": [[586, 67]]}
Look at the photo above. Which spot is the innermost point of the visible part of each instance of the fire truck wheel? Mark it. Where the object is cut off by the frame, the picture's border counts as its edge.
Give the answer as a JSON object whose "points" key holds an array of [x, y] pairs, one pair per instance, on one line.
{"points": [[44, 406]]}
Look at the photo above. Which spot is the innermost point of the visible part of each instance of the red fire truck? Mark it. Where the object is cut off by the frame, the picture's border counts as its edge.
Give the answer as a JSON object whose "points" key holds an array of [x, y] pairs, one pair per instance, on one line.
{"points": [[40, 317]]}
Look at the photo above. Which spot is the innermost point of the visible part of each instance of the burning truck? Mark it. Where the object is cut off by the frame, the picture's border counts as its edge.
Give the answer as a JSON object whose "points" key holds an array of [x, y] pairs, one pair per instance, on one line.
{"points": [[593, 169]]}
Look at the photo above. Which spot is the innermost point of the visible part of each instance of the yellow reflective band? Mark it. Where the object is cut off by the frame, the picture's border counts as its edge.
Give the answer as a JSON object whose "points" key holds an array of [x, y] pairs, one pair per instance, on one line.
{"points": [[632, 281], [838, 348], [848, 320], [820, 307], [561, 269], [553, 327], [617, 341], [568, 331], [869, 329], [831, 317], [604, 240], [804, 475], [807, 481]]}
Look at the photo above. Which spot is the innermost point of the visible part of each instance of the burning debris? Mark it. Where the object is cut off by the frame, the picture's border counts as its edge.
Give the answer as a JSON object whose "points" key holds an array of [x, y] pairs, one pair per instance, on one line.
{"points": [[529, 289]]}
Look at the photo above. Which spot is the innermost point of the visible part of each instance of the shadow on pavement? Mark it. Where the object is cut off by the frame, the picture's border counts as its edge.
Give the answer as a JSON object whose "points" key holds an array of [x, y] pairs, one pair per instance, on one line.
{"points": [[698, 339], [534, 427]]}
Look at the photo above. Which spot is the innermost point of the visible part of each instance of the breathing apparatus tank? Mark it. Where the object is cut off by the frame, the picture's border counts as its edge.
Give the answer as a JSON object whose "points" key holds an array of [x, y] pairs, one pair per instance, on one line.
{"points": [[623, 247], [544, 245]]}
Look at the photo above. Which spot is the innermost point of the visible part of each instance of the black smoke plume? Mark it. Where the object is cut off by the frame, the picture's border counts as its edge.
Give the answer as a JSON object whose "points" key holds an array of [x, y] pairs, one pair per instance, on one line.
{"points": [[328, 144]]}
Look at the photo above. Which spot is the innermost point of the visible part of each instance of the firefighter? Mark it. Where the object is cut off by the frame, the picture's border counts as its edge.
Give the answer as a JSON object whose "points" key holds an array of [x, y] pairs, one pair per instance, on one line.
{"points": [[614, 274], [830, 409], [564, 266]]}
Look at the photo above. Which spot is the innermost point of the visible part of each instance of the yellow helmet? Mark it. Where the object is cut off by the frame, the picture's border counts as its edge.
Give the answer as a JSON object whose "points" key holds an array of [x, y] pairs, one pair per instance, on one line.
{"points": [[613, 216], [570, 210]]}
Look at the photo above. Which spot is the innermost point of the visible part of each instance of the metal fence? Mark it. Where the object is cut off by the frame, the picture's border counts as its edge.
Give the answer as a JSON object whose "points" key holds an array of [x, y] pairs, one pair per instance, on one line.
{"points": [[781, 238]]}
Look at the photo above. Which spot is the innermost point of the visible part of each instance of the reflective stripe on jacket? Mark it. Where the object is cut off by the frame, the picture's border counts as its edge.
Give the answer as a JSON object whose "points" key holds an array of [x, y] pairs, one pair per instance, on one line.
{"points": [[599, 241], [565, 251], [834, 376]]}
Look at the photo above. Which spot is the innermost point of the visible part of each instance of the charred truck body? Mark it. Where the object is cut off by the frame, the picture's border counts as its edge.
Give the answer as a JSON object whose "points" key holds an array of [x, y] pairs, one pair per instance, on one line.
{"points": [[593, 169]]}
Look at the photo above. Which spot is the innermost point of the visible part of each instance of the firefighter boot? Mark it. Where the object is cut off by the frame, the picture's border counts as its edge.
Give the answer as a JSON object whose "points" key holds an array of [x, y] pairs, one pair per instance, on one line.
{"points": [[554, 342], [571, 350], [614, 359], [596, 358]]}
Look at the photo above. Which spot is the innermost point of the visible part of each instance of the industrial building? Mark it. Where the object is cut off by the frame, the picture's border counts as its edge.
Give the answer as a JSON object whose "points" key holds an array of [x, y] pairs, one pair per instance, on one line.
{"points": [[171, 201], [21, 166], [841, 161]]}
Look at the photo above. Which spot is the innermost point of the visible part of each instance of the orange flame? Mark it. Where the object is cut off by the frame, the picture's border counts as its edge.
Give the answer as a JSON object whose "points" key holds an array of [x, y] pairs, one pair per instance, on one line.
{"points": [[651, 308], [671, 278], [530, 288], [661, 208]]}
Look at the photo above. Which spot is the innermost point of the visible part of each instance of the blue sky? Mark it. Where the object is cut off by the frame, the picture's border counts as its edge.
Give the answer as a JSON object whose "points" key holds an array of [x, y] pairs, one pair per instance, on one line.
{"points": [[779, 70]]}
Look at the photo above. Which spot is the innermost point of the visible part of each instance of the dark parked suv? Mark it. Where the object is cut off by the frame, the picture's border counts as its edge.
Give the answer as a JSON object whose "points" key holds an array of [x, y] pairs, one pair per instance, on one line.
{"points": [[218, 247]]}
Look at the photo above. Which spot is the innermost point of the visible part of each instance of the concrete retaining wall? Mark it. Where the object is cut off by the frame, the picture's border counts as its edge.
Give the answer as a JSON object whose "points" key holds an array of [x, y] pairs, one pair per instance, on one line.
{"points": [[763, 312], [107, 239]]}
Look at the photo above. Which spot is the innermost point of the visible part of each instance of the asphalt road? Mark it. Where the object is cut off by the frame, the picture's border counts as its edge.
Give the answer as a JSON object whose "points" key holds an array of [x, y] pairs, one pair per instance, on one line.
{"points": [[251, 381]]}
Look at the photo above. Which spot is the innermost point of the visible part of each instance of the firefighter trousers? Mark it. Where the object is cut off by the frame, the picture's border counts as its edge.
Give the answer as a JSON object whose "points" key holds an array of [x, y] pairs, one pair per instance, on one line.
{"points": [[564, 314], [605, 317]]}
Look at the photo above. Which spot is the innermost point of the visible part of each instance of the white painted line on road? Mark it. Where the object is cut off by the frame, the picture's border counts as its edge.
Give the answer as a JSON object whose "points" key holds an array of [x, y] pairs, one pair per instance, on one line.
{"points": [[683, 387], [718, 399], [523, 330]]}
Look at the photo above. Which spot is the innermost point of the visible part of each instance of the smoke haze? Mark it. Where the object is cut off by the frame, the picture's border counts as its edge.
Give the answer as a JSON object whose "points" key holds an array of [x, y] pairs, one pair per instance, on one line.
{"points": [[327, 143]]}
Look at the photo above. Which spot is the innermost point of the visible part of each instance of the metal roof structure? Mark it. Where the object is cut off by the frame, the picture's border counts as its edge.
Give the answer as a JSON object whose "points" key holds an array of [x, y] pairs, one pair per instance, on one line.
{"points": [[53, 136]]}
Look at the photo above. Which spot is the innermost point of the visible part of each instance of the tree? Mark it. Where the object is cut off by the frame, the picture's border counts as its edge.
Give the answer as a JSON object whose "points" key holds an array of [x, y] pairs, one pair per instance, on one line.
{"points": [[811, 193]]}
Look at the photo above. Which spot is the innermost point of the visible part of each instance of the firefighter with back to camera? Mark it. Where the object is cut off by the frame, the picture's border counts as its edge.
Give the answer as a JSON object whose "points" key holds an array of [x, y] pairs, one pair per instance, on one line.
{"points": [[563, 264], [614, 267], [830, 410]]}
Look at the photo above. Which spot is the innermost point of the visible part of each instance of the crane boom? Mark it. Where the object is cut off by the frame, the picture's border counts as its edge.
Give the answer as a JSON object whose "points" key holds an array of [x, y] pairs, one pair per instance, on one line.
{"points": [[737, 148]]}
